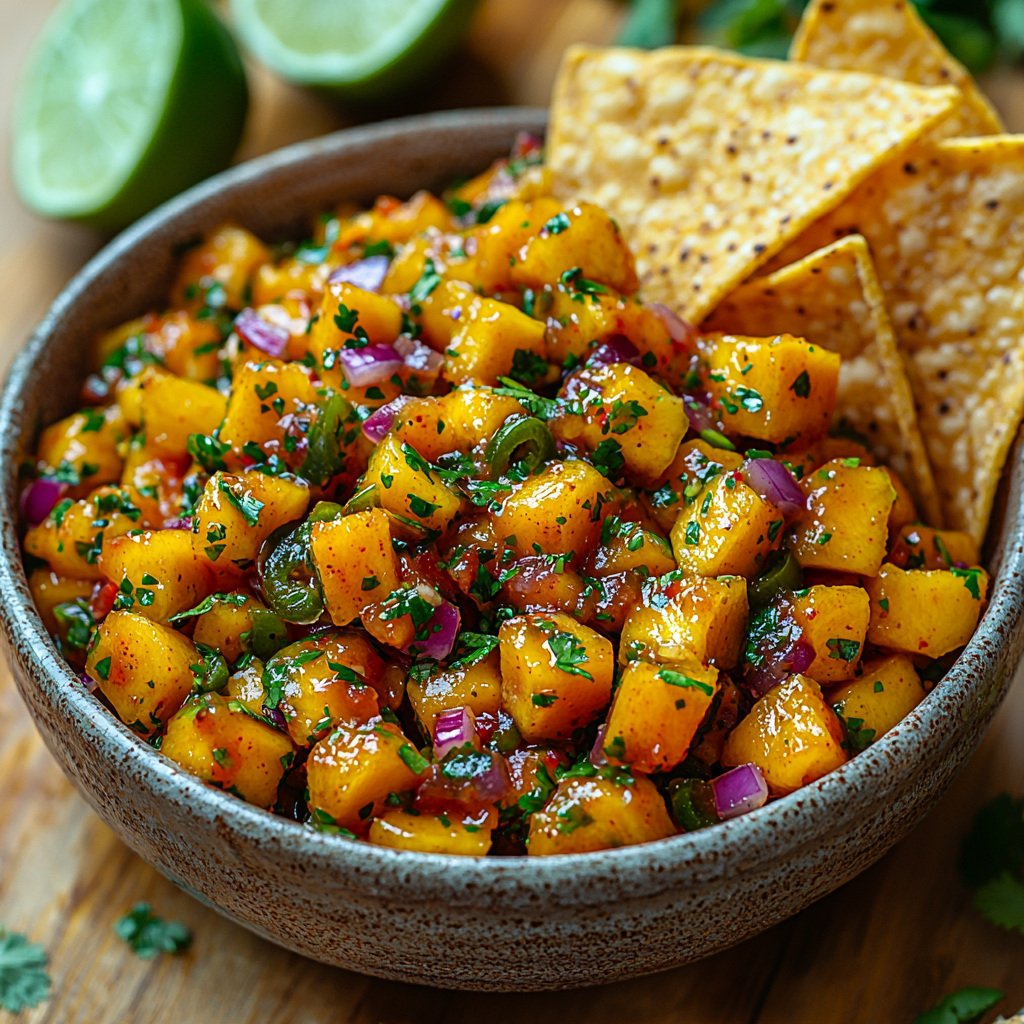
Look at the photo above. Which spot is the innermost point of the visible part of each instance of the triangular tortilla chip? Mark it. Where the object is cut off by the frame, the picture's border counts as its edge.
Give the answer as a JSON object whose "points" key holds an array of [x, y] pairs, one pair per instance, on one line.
{"points": [[712, 162], [832, 298], [946, 229], [888, 37]]}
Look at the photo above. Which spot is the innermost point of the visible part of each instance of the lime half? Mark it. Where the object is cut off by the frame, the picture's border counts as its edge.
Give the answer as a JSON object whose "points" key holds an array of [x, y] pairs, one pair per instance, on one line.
{"points": [[123, 104], [364, 50]]}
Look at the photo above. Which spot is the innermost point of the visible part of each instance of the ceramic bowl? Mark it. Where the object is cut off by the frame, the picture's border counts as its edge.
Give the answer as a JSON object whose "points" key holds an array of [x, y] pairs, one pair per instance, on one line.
{"points": [[492, 923]]}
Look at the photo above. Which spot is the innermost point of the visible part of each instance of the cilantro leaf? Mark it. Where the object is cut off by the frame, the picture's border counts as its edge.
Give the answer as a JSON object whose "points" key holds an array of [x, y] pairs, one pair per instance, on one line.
{"points": [[607, 458], [345, 319], [249, 506], [1001, 901], [473, 647], [673, 678], [970, 578], [527, 366], [966, 1006], [844, 650], [235, 600], [536, 405], [23, 981], [148, 934], [801, 387], [569, 654], [428, 281]]}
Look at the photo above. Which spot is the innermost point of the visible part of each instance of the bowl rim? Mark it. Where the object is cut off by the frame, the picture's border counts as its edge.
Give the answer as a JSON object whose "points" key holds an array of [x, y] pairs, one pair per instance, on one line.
{"points": [[702, 857]]}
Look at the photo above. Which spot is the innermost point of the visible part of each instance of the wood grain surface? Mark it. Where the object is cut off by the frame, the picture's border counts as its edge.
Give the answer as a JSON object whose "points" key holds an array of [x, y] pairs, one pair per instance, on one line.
{"points": [[878, 951]]}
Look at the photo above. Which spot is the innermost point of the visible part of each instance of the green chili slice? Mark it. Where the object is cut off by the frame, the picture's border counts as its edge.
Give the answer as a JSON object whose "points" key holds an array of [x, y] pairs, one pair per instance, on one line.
{"points": [[325, 511], [693, 803], [524, 440], [211, 672], [363, 500], [269, 633], [325, 455], [783, 573], [288, 577]]}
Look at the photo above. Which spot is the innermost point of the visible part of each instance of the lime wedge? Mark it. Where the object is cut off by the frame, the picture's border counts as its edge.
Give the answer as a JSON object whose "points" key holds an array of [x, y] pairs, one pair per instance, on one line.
{"points": [[363, 50], [123, 104]]}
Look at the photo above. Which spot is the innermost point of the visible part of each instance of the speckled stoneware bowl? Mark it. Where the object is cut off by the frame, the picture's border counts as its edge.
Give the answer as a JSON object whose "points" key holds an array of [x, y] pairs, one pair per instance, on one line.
{"points": [[501, 924]]}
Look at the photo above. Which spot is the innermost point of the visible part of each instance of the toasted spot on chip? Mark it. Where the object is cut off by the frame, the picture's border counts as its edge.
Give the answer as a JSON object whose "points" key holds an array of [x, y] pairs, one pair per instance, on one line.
{"points": [[793, 128], [951, 267], [832, 298], [888, 37]]}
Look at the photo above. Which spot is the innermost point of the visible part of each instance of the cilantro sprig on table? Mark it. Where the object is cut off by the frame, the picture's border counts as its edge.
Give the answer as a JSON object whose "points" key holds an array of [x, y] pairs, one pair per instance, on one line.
{"points": [[965, 1006], [24, 982], [148, 934], [992, 860]]}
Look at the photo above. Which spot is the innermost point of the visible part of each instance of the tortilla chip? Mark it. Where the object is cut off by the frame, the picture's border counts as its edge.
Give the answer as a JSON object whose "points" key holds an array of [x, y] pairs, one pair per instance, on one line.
{"points": [[888, 37], [833, 299], [712, 162], [946, 229]]}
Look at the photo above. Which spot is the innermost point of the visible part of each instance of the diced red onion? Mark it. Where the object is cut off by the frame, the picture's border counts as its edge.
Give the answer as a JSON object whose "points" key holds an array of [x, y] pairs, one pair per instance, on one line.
{"points": [[794, 659], [371, 364], [89, 683], [270, 338], [597, 755], [775, 483], [367, 274], [681, 332], [738, 791], [182, 523], [276, 715], [38, 499], [418, 356], [453, 729], [617, 349], [442, 631], [380, 421], [699, 415], [801, 657], [494, 783]]}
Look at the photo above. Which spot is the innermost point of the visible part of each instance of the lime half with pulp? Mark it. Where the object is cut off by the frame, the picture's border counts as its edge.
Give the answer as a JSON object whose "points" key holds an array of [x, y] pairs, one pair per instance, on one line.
{"points": [[363, 50], [123, 104]]}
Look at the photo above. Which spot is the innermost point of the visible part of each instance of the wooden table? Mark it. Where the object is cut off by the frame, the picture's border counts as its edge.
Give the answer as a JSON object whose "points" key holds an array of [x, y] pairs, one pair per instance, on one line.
{"points": [[878, 951]]}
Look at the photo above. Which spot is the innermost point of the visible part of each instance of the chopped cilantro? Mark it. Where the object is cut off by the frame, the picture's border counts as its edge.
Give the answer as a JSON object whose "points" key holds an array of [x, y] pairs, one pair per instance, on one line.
{"points": [[148, 934], [801, 387], [24, 982], [843, 650], [569, 654]]}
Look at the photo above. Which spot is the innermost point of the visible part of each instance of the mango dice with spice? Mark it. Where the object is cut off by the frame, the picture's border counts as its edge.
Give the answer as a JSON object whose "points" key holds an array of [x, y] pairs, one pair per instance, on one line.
{"points": [[656, 713], [923, 611], [145, 669], [410, 488], [778, 389], [355, 561], [473, 680], [432, 833], [887, 691], [791, 734], [49, 590], [82, 449], [834, 621], [173, 409], [845, 524], [489, 339], [556, 512], [156, 484], [223, 743], [352, 772], [73, 535], [323, 682], [620, 406], [236, 514], [583, 239], [235, 623], [923, 547], [216, 273], [188, 347], [682, 614], [269, 413], [628, 546], [695, 464], [157, 572], [729, 530], [598, 813], [556, 675]]}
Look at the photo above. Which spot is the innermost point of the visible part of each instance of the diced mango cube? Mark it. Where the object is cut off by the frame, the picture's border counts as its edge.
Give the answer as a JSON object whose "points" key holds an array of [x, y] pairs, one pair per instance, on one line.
{"points": [[173, 408], [845, 525], [656, 713], [429, 833], [887, 691], [923, 611], [777, 389], [834, 621], [475, 685], [923, 547], [703, 616], [85, 445], [729, 530], [556, 675], [355, 561], [599, 814], [791, 734], [218, 740]]}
